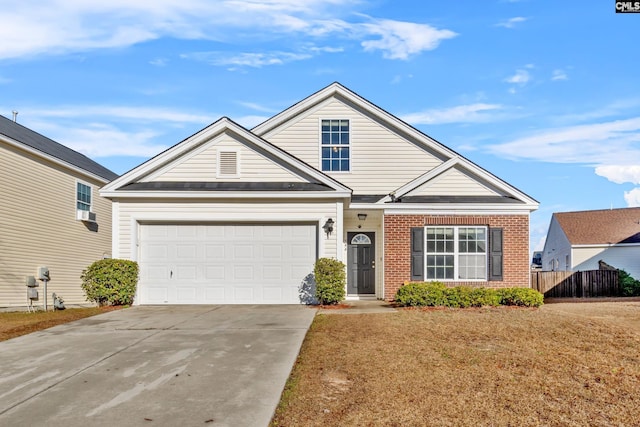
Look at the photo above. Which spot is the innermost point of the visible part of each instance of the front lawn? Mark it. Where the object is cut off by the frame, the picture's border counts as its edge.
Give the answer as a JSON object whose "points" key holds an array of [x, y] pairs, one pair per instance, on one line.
{"points": [[560, 365], [13, 324]]}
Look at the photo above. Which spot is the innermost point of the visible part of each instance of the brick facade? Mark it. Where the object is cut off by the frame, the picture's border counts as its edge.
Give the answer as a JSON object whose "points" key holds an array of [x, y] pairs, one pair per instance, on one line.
{"points": [[397, 247]]}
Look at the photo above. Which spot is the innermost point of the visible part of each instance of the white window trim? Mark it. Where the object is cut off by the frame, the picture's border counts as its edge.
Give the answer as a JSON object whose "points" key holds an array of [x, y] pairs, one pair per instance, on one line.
{"points": [[456, 253], [350, 146], [75, 196], [227, 150]]}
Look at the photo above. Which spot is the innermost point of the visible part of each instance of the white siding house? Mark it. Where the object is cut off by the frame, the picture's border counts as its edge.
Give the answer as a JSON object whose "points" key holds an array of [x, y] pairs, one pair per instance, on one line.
{"points": [[231, 215], [576, 241]]}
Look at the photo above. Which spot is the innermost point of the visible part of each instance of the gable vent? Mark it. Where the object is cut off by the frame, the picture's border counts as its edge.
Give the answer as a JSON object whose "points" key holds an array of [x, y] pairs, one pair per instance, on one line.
{"points": [[227, 163]]}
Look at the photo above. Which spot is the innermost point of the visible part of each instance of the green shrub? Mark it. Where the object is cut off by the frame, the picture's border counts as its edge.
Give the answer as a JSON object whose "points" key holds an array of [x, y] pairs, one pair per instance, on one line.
{"points": [[458, 297], [422, 294], [481, 297], [630, 286], [110, 281], [330, 280], [524, 297]]}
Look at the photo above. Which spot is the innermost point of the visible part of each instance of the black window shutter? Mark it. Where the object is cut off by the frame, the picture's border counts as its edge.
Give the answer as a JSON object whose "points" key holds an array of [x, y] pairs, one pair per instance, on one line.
{"points": [[417, 253], [495, 254]]}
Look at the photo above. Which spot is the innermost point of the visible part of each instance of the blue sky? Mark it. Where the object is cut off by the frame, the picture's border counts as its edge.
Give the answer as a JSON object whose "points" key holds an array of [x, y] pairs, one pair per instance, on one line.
{"points": [[544, 94]]}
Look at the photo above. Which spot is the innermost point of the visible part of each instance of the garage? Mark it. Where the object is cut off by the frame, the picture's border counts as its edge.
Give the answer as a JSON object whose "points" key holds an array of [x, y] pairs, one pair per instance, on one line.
{"points": [[225, 263]]}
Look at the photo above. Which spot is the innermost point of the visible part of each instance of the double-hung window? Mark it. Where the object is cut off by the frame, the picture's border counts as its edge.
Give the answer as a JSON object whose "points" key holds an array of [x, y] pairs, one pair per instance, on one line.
{"points": [[456, 253], [335, 145], [83, 197]]}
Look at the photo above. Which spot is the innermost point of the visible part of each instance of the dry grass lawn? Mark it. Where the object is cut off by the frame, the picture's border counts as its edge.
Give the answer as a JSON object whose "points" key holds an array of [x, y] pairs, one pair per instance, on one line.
{"points": [[14, 324], [560, 365]]}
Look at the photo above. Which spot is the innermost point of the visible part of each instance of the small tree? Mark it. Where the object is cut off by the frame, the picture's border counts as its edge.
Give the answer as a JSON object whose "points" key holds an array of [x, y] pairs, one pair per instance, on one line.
{"points": [[330, 280], [110, 281]]}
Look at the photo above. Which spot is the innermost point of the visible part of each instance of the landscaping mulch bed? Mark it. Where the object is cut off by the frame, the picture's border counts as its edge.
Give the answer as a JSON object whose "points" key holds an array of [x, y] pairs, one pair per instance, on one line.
{"points": [[559, 365]]}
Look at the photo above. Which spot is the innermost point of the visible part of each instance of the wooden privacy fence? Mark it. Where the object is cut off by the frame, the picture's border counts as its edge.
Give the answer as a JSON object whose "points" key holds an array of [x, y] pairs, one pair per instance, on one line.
{"points": [[578, 284]]}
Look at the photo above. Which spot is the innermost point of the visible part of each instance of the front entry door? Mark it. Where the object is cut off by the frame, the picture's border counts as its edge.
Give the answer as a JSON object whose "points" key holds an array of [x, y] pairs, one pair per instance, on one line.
{"points": [[361, 261]]}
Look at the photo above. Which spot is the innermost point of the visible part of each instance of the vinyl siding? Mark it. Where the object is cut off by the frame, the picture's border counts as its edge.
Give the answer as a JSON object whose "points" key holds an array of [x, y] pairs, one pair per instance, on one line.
{"points": [[38, 227], [132, 213], [201, 165], [556, 248], [381, 161], [452, 183], [622, 257]]}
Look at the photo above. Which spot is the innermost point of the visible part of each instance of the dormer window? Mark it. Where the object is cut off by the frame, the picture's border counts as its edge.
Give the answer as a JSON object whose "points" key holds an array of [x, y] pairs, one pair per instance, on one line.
{"points": [[335, 146], [228, 164]]}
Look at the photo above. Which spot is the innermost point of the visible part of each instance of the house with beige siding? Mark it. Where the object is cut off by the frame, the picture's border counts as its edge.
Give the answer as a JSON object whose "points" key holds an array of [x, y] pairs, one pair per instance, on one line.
{"points": [[51, 215], [577, 241], [237, 216]]}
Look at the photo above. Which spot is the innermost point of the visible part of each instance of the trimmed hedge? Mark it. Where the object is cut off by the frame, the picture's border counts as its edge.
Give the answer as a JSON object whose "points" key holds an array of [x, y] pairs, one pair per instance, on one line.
{"points": [[110, 281], [431, 294], [330, 280]]}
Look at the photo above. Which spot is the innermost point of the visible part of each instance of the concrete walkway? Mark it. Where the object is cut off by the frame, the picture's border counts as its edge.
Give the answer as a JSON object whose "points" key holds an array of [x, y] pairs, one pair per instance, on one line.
{"points": [[154, 366]]}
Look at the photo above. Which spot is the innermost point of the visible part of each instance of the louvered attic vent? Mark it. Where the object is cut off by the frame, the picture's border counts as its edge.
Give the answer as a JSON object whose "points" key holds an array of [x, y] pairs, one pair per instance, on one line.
{"points": [[227, 163]]}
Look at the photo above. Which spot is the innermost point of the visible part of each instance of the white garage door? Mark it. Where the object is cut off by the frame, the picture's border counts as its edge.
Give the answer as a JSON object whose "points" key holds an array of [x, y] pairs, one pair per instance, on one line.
{"points": [[225, 264]]}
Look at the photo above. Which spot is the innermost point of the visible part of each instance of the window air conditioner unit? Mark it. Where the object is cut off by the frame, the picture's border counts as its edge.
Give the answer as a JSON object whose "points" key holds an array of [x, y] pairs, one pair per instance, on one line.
{"points": [[86, 216]]}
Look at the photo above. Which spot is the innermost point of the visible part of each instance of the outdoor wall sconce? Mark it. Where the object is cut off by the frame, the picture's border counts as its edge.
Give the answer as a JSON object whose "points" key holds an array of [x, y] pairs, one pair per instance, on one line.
{"points": [[362, 216], [328, 227]]}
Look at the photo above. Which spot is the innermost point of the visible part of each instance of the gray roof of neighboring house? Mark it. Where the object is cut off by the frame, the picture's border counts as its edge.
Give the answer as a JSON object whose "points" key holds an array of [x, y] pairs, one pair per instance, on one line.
{"points": [[607, 226], [26, 136]]}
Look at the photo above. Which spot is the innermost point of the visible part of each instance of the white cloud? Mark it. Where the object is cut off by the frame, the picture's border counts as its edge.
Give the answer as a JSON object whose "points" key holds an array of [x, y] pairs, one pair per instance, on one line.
{"points": [[399, 40], [588, 144], [137, 114], [521, 77], [512, 22], [159, 62], [559, 75], [620, 173], [257, 107], [472, 113], [106, 130], [53, 27], [246, 59], [632, 198]]}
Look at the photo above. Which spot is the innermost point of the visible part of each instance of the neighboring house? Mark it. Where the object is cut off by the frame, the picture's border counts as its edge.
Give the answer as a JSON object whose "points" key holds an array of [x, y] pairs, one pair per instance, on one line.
{"points": [[231, 215], [576, 241], [51, 215]]}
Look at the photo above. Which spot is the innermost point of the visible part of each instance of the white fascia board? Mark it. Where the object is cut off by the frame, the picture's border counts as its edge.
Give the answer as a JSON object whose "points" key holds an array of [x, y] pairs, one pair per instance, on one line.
{"points": [[224, 195], [424, 209], [52, 159], [605, 245]]}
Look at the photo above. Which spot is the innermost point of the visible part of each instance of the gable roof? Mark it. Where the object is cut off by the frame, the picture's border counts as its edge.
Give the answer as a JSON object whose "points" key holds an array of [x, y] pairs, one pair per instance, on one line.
{"points": [[607, 226], [449, 157], [129, 185], [16, 133]]}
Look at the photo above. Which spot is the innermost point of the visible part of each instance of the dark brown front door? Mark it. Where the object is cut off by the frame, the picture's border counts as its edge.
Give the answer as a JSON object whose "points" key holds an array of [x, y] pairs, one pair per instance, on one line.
{"points": [[361, 264]]}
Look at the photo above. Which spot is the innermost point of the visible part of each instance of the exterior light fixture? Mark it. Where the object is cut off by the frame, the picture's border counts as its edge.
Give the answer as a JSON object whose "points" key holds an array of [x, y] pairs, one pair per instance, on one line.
{"points": [[362, 216], [328, 227]]}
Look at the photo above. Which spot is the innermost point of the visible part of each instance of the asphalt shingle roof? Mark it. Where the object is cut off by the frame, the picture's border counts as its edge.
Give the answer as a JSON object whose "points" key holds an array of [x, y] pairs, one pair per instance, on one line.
{"points": [[48, 146], [601, 226]]}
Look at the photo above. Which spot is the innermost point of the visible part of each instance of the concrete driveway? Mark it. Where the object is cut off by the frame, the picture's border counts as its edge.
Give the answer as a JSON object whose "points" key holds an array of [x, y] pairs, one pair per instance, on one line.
{"points": [[154, 366]]}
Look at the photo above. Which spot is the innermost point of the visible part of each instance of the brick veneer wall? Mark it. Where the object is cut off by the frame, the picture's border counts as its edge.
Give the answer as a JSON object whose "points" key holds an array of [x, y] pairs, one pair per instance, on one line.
{"points": [[397, 247]]}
